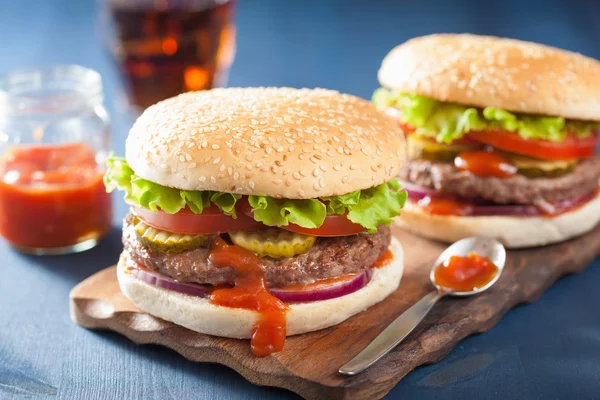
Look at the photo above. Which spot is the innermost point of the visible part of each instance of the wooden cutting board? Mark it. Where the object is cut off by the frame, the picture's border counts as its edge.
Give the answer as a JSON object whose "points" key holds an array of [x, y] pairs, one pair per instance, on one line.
{"points": [[308, 364]]}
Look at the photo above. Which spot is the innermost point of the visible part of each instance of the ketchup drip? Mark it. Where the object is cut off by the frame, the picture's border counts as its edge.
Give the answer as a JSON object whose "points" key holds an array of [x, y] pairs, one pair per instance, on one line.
{"points": [[485, 163], [250, 292]]}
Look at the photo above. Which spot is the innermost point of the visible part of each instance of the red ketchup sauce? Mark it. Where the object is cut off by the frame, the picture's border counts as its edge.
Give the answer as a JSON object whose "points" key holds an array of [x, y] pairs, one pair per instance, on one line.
{"points": [[445, 206], [384, 260], [250, 292], [485, 163], [465, 273], [52, 196]]}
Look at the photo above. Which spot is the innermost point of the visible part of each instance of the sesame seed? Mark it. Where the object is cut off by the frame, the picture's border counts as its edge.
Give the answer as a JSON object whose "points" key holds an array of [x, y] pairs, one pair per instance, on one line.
{"points": [[316, 172], [251, 184], [216, 147]]}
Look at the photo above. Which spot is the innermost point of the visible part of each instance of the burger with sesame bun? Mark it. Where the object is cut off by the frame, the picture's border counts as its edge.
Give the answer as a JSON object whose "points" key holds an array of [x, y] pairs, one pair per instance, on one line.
{"points": [[501, 137], [260, 212]]}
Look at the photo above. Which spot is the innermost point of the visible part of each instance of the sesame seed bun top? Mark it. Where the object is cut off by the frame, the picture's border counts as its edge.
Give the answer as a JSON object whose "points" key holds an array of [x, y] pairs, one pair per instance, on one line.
{"points": [[279, 142], [505, 73]]}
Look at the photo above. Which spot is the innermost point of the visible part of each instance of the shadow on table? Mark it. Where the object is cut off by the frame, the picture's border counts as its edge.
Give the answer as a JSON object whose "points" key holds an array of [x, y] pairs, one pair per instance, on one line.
{"points": [[223, 380], [79, 266]]}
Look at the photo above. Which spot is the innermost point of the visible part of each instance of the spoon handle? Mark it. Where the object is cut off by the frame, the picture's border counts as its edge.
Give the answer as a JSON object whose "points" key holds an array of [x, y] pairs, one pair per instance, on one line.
{"points": [[392, 335]]}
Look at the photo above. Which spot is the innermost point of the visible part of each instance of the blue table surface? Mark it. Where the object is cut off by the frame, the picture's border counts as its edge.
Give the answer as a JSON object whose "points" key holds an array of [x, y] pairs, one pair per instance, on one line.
{"points": [[548, 349]]}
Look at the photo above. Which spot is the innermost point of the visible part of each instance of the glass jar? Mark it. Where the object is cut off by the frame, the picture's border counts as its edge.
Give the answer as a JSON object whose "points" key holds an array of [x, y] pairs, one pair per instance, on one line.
{"points": [[54, 141]]}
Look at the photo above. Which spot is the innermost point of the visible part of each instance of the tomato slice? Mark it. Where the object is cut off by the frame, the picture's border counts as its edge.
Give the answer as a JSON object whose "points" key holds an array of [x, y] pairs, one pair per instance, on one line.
{"points": [[334, 225], [571, 147], [212, 220]]}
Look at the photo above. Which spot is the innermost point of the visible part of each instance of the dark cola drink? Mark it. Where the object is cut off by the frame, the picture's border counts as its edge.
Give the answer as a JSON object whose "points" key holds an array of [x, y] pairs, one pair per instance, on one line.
{"points": [[166, 47]]}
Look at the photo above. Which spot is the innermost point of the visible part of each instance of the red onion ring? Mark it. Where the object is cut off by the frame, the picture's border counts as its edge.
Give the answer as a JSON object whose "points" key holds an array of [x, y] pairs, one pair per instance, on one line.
{"points": [[165, 282], [331, 291], [479, 209], [337, 289], [416, 192]]}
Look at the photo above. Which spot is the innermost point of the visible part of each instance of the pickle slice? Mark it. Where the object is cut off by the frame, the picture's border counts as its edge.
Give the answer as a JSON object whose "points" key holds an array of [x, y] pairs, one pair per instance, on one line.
{"points": [[536, 168], [167, 242], [273, 242], [420, 148]]}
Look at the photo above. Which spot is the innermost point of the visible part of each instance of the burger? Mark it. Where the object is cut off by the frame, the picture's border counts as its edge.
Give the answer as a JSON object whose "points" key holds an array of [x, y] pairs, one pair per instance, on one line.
{"points": [[260, 212], [501, 137]]}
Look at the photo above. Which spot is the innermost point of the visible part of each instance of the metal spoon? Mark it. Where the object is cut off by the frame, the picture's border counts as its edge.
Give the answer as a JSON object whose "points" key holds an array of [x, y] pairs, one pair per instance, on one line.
{"points": [[405, 323]]}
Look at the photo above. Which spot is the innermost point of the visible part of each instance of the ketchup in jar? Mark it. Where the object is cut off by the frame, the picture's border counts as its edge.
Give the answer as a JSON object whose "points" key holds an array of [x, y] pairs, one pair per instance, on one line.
{"points": [[54, 138], [52, 198]]}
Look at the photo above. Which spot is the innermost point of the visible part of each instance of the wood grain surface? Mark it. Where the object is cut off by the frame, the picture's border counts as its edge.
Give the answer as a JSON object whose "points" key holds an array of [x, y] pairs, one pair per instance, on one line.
{"points": [[308, 364]]}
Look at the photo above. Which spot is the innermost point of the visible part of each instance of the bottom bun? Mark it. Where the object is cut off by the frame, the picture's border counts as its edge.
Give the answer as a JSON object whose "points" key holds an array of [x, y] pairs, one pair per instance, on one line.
{"points": [[512, 232], [199, 315]]}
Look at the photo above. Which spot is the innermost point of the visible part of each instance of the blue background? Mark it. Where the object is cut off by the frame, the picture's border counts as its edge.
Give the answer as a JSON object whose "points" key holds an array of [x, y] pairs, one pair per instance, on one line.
{"points": [[548, 349]]}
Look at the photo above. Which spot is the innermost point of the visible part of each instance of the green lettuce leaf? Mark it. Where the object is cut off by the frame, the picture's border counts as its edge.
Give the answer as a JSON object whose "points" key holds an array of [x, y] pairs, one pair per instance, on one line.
{"points": [[340, 204], [225, 202], [118, 175], [369, 208], [307, 213], [153, 196], [447, 122]]}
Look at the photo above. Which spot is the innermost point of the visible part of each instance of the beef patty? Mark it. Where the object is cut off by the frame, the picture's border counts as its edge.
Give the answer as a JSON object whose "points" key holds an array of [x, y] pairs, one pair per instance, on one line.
{"points": [[517, 189], [328, 258]]}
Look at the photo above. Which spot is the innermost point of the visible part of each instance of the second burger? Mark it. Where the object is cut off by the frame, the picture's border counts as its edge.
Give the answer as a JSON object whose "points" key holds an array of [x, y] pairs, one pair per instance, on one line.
{"points": [[502, 137]]}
